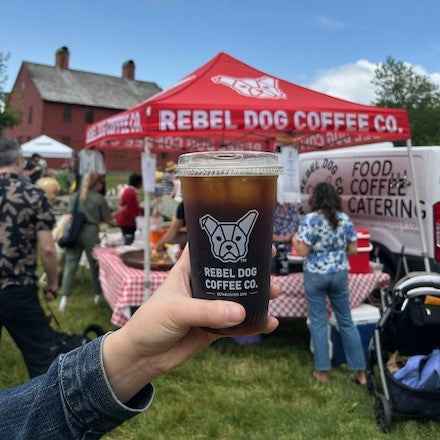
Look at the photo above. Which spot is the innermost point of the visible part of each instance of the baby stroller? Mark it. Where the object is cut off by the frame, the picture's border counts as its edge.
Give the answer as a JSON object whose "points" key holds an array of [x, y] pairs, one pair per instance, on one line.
{"points": [[411, 327]]}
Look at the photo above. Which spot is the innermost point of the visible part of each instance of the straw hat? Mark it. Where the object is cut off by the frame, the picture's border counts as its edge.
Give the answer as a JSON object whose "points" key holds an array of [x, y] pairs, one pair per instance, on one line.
{"points": [[170, 166]]}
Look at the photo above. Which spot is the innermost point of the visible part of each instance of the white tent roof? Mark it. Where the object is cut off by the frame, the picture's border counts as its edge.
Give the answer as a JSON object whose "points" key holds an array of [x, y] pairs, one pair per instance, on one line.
{"points": [[46, 147]]}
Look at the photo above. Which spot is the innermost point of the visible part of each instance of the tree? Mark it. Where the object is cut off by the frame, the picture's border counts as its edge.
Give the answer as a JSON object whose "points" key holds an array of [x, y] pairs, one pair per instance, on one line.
{"points": [[399, 86], [8, 115]]}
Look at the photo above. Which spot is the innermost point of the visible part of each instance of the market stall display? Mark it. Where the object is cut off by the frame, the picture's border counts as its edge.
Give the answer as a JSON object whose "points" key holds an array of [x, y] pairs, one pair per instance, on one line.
{"points": [[123, 287]]}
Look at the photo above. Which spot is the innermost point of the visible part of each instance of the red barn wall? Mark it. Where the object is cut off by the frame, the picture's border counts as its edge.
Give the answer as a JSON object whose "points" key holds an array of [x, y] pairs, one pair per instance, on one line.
{"points": [[47, 118], [26, 98]]}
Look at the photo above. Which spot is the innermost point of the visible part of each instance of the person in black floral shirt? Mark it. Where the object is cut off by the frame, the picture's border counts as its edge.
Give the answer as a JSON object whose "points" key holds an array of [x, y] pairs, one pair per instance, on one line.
{"points": [[25, 222]]}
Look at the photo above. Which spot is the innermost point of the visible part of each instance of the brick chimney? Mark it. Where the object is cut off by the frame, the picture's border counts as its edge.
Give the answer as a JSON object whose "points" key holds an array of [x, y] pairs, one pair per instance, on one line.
{"points": [[128, 70], [62, 58]]}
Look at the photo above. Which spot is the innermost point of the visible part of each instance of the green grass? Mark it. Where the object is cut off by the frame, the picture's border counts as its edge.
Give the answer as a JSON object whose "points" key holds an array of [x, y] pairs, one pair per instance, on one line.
{"points": [[112, 180], [229, 392]]}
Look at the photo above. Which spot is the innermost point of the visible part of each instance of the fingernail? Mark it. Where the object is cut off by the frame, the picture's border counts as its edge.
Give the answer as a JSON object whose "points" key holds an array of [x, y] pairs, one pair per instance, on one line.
{"points": [[234, 313]]}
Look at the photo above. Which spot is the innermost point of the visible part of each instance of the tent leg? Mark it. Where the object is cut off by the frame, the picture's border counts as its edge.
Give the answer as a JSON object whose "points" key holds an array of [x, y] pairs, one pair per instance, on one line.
{"points": [[417, 200], [147, 285]]}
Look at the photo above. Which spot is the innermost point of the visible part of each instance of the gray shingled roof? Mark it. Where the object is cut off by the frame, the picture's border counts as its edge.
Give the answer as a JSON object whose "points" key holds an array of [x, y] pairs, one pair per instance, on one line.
{"points": [[90, 89]]}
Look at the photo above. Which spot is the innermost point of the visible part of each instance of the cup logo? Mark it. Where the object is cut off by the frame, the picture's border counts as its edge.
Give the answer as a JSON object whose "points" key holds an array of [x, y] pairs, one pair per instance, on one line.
{"points": [[229, 240]]}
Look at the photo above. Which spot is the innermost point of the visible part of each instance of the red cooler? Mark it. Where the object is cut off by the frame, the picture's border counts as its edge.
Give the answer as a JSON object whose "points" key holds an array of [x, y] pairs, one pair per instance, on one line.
{"points": [[360, 263], [363, 237]]}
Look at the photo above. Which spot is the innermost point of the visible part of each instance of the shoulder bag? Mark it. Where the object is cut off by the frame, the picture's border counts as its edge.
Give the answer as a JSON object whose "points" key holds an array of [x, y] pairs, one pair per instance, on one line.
{"points": [[71, 232]]}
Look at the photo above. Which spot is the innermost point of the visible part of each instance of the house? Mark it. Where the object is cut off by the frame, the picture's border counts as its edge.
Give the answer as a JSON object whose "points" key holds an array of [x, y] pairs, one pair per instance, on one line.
{"points": [[60, 102]]}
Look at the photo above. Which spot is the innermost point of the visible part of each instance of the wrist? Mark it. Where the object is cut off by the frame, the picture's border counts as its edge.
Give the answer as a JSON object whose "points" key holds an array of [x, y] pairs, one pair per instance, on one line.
{"points": [[122, 366]]}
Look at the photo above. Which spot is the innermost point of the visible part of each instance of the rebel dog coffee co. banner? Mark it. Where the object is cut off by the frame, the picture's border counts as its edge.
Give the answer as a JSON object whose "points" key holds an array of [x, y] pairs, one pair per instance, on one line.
{"points": [[229, 98]]}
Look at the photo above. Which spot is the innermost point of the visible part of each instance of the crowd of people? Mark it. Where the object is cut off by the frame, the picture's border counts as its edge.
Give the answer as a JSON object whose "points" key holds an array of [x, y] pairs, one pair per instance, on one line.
{"points": [[324, 237]]}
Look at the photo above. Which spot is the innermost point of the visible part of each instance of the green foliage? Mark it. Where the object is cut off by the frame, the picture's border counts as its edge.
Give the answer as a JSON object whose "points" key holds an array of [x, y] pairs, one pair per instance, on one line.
{"points": [[8, 118], [399, 86], [8, 115], [4, 57]]}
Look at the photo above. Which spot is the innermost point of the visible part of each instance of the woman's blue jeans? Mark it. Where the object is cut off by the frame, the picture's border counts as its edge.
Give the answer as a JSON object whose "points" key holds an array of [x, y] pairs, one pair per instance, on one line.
{"points": [[335, 285]]}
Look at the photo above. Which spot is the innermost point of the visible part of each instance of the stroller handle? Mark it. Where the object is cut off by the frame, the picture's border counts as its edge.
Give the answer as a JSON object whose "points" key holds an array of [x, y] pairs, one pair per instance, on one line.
{"points": [[421, 291], [424, 280]]}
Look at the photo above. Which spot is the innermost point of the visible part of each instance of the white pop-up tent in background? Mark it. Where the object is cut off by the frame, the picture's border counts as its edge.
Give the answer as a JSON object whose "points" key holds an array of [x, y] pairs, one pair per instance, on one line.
{"points": [[46, 147]]}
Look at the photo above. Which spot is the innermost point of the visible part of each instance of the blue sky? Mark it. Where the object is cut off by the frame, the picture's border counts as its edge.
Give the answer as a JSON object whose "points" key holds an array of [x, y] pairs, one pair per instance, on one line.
{"points": [[332, 46]]}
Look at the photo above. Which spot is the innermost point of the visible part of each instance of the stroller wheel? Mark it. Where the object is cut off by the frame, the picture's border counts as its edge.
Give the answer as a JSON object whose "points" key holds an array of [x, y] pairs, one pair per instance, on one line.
{"points": [[383, 413], [372, 358], [371, 382]]}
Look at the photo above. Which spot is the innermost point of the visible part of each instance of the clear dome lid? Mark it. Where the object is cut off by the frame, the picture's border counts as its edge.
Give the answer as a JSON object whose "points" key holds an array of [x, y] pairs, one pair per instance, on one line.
{"points": [[228, 163]]}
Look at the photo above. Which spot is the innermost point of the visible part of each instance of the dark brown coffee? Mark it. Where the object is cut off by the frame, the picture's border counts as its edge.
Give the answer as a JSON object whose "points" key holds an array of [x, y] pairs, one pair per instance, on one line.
{"points": [[229, 220]]}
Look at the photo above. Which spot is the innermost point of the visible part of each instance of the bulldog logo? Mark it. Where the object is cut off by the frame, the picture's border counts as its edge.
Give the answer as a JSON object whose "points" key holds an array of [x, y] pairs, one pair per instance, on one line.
{"points": [[229, 240], [263, 87]]}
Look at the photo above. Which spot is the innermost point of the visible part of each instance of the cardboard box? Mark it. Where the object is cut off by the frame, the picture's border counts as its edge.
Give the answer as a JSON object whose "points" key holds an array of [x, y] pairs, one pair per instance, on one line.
{"points": [[365, 318]]}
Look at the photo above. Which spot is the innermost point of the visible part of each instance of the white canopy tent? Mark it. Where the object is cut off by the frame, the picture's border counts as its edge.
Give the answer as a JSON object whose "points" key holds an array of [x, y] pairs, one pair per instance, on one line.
{"points": [[46, 147]]}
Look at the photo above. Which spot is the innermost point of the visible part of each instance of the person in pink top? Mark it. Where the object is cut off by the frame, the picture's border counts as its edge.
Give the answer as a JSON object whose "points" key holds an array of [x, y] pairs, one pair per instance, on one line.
{"points": [[129, 208]]}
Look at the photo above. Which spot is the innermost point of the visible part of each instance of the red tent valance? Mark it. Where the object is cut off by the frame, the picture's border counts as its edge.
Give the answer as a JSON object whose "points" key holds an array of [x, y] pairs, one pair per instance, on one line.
{"points": [[227, 103]]}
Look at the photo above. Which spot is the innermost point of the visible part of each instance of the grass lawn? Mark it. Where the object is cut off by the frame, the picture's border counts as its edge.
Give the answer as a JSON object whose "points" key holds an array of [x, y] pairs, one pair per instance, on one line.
{"points": [[260, 392]]}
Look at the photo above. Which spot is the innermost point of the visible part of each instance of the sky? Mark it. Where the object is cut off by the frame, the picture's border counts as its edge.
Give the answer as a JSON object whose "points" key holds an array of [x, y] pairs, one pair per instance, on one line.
{"points": [[332, 46]]}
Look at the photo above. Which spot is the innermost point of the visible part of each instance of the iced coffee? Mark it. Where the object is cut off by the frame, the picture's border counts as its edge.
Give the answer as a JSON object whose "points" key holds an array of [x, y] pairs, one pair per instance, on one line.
{"points": [[229, 201]]}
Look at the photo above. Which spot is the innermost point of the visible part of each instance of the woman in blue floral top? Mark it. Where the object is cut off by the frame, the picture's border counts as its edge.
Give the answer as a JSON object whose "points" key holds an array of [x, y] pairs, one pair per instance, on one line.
{"points": [[325, 237]]}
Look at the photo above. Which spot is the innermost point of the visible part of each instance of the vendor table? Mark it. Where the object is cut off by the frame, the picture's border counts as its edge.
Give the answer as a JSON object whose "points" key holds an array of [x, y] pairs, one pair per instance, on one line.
{"points": [[123, 287]]}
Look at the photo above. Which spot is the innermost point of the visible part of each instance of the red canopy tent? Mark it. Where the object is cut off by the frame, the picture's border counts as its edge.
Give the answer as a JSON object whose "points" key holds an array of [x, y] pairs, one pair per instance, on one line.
{"points": [[227, 103]]}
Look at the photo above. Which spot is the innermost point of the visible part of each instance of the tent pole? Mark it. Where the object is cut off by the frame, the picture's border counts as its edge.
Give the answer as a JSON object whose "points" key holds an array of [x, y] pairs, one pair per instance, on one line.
{"points": [[147, 281], [417, 200]]}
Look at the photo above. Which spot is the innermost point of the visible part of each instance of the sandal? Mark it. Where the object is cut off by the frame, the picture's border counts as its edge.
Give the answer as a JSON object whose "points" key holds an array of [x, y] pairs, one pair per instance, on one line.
{"points": [[359, 378], [320, 376]]}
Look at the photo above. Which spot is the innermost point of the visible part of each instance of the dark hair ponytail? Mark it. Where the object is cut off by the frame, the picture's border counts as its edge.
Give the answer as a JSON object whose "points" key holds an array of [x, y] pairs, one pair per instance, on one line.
{"points": [[326, 199]]}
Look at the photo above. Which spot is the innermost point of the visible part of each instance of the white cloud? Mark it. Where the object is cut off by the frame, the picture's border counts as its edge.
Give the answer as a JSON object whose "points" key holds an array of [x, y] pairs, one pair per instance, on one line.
{"points": [[353, 81], [350, 81], [433, 77], [329, 23]]}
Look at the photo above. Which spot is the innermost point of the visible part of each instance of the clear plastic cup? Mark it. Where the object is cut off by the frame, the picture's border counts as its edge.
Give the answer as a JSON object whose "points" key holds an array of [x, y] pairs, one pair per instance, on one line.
{"points": [[229, 200]]}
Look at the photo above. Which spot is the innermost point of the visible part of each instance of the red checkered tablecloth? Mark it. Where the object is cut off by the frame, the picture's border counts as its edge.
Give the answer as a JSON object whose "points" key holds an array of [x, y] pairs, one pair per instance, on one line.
{"points": [[123, 287], [292, 302]]}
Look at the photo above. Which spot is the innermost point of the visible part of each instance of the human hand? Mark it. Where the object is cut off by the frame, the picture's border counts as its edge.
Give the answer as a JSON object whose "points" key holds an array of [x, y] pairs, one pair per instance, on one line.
{"points": [[50, 291], [166, 331], [156, 248]]}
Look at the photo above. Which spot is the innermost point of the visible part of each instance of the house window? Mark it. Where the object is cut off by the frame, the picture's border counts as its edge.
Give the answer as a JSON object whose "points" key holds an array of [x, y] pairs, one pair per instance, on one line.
{"points": [[89, 116], [66, 140], [67, 113], [31, 109]]}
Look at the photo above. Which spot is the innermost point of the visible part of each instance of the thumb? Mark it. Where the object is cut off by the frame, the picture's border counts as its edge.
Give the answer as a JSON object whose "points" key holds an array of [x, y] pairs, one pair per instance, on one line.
{"points": [[217, 314]]}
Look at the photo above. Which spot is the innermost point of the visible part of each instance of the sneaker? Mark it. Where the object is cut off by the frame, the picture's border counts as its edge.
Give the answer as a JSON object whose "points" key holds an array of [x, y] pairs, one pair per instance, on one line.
{"points": [[97, 299], [63, 303]]}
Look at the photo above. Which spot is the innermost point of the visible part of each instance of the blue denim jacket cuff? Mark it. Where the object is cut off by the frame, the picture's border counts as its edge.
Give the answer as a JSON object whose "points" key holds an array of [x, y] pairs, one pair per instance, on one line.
{"points": [[88, 395]]}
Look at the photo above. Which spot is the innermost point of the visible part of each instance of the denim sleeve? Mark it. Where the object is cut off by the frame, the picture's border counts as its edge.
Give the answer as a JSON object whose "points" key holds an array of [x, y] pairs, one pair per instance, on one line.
{"points": [[72, 400]]}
